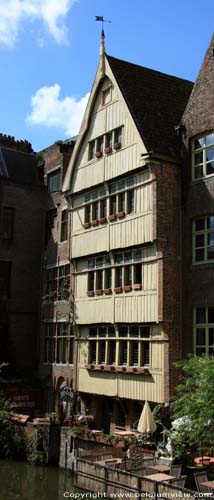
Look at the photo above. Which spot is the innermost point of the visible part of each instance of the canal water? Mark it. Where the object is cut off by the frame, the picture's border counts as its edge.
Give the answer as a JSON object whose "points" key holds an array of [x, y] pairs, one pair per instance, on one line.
{"points": [[22, 481]]}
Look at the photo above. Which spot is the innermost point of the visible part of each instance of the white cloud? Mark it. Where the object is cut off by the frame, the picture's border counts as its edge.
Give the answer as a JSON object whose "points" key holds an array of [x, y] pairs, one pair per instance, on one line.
{"points": [[51, 12], [52, 112]]}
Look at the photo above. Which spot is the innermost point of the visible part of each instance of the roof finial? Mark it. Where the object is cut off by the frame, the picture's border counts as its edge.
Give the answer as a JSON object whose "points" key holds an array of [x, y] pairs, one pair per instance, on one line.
{"points": [[102, 43]]}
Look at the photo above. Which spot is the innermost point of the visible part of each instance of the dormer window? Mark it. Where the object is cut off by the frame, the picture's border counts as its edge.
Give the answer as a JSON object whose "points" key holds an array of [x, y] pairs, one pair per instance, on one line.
{"points": [[203, 156]]}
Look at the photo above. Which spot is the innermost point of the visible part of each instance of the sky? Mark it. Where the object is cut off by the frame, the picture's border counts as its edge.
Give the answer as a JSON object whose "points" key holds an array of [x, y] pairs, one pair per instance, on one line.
{"points": [[49, 51]]}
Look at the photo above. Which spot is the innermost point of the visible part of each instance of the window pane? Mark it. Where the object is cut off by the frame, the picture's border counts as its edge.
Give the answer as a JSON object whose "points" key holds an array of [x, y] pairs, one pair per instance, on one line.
{"points": [[108, 278], [99, 262], [145, 331], [118, 258], [199, 172], [128, 275], [121, 185], [138, 274], [198, 143], [123, 331], [210, 314], [209, 139], [103, 208], [146, 354], [199, 255], [201, 315], [130, 202], [112, 352], [102, 348], [198, 158], [92, 332], [100, 144], [118, 276], [199, 240], [71, 351], [121, 202], [211, 336], [200, 351], [53, 181], [102, 331], [134, 352], [91, 154], [210, 168], [134, 331], [210, 222], [93, 345], [87, 213], [137, 255], [200, 336], [64, 225], [111, 331], [95, 210], [123, 353], [200, 224], [113, 205], [91, 281], [127, 256]]}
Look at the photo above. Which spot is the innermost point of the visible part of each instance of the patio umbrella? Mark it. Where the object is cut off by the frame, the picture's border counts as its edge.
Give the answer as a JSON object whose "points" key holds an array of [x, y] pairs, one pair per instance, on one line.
{"points": [[146, 422]]}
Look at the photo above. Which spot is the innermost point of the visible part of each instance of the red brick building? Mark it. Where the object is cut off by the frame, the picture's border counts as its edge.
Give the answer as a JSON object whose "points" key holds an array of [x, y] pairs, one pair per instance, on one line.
{"points": [[57, 338], [22, 217]]}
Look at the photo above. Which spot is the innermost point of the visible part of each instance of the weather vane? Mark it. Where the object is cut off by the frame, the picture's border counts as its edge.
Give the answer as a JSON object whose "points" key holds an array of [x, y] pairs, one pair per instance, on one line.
{"points": [[100, 18]]}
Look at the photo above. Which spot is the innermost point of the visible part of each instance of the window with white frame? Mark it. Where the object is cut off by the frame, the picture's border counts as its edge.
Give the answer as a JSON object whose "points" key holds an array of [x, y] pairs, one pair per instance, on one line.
{"points": [[204, 331], [58, 283], [58, 343], [120, 345], [121, 272], [203, 239], [203, 156], [110, 202]]}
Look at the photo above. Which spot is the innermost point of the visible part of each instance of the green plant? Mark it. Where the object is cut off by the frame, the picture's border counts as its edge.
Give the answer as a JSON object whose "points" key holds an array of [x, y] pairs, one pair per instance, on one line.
{"points": [[12, 436], [37, 446]]}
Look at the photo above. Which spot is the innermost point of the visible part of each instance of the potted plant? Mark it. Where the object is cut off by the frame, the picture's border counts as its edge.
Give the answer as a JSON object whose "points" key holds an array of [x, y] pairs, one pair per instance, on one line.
{"points": [[99, 292], [117, 145], [118, 289], [107, 291], [90, 293], [127, 288], [94, 222], [112, 217], [108, 150], [103, 220], [137, 286], [87, 225], [99, 154], [121, 214]]}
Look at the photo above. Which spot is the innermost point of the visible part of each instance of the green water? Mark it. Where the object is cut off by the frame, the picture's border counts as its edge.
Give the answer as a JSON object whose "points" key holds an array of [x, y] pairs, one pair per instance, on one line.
{"points": [[22, 481]]}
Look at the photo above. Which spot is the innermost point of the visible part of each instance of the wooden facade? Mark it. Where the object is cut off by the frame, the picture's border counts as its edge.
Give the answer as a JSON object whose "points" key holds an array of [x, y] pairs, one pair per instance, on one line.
{"points": [[113, 192]]}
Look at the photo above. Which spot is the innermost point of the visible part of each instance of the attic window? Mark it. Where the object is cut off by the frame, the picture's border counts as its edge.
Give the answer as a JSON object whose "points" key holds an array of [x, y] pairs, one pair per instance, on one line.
{"points": [[107, 95]]}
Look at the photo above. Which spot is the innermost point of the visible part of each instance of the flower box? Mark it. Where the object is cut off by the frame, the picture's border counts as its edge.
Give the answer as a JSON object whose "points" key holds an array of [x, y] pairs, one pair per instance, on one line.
{"points": [[99, 292], [103, 220], [137, 286], [108, 150], [118, 289], [117, 145], [124, 369], [99, 154], [121, 214], [94, 222], [107, 291], [112, 217], [135, 369], [102, 367], [127, 288], [87, 225], [90, 293], [112, 368]]}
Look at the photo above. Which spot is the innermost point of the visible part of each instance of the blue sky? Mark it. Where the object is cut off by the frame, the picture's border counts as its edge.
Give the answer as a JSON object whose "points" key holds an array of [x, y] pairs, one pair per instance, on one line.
{"points": [[49, 52]]}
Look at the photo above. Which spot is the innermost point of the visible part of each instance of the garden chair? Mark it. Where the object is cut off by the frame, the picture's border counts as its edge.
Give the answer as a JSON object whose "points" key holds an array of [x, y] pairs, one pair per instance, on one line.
{"points": [[179, 482], [175, 470], [201, 477]]}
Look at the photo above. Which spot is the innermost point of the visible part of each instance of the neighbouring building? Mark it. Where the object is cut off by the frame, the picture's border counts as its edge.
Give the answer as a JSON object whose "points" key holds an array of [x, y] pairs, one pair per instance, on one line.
{"points": [[197, 133], [123, 186], [57, 337], [22, 212]]}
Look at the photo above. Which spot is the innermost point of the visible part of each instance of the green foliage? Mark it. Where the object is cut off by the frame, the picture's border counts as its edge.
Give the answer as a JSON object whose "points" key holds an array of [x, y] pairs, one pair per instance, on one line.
{"points": [[37, 445], [12, 436], [195, 397], [194, 400]]}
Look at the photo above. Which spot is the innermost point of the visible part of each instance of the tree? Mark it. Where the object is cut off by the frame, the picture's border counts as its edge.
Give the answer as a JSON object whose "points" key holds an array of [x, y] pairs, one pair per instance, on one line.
{"points": [[195, 399]]}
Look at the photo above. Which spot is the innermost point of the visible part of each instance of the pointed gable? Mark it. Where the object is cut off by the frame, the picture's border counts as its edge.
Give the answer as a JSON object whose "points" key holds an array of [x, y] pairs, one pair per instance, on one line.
{"points": [[199, 113], [156, 102]]}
